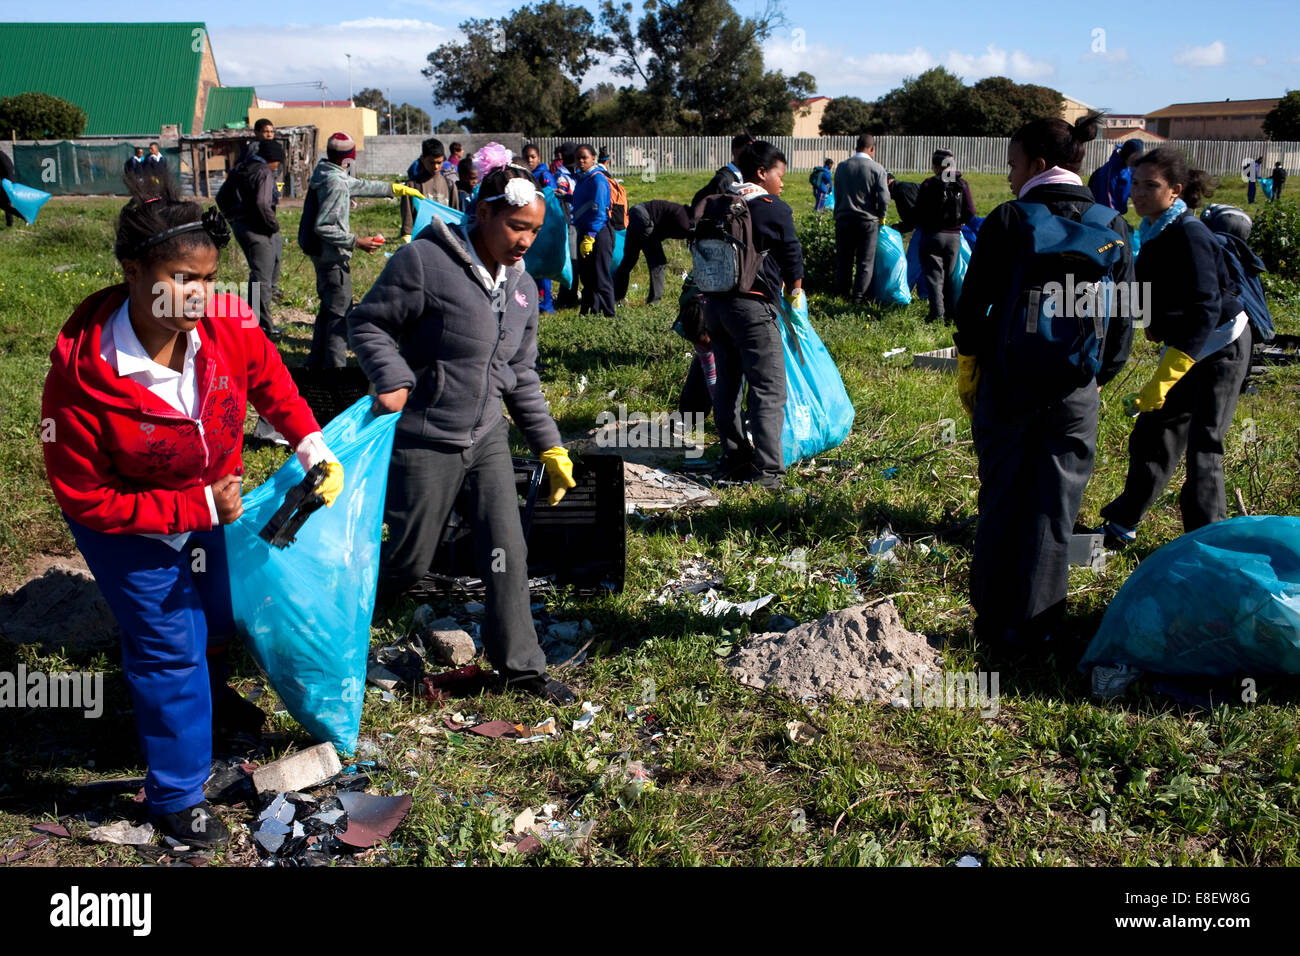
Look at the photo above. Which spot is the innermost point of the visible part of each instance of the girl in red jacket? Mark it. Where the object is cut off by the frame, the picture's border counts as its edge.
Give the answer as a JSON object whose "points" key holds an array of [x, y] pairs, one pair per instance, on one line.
{"points": [[143, 428]]}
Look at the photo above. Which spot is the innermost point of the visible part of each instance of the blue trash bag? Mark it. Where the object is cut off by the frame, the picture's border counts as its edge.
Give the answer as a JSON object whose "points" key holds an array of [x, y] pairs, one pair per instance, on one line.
{"points": [[1136, 244], [889, 280], [620, 242], [549, 255], [972, 229], [426, 209], [304, 611], [1266, 184], [916, 278], [818, 413], [26, 201], [1220, 601], [828, 204]]}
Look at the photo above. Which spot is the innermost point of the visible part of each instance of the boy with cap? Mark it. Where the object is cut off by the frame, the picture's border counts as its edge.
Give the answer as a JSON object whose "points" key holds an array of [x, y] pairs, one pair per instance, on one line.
{"points": [[330, 195], [425, 175]]}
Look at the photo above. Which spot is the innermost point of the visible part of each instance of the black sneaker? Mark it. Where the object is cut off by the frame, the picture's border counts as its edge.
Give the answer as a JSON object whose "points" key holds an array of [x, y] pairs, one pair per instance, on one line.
{"points": [[193, 826], [546, 687], [233, 714]]}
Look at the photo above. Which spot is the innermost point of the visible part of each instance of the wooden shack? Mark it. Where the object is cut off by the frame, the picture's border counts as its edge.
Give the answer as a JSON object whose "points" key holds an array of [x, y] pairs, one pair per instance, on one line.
{"points": [[212, 155]]}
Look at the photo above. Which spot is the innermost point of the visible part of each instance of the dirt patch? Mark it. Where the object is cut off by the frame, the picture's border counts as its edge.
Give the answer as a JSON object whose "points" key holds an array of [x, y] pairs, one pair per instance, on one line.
{"points": [[291, 315], [59, 606], [652, 489], [858, 653]]}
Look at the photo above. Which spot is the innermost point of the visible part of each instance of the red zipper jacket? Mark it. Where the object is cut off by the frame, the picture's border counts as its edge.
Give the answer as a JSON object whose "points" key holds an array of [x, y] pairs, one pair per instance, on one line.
{"points": [[120, 459]]}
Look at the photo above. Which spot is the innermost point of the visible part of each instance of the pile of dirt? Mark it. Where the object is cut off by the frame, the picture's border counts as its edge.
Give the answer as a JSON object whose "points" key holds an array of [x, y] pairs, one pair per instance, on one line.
{"points": [[858, 653], [60, 608]]}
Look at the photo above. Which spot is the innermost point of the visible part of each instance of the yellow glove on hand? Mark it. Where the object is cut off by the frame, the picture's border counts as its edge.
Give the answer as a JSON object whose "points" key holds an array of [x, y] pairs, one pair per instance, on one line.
{"points": [[585, 247], [401, 189], [559, 469], [798, 300], [968, 380], [1173, 366], [332, 486]]}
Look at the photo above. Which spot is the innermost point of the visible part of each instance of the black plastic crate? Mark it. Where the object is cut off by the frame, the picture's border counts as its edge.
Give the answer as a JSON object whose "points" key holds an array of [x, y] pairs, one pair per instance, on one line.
{"points": [[581, 542], [330, 391]]}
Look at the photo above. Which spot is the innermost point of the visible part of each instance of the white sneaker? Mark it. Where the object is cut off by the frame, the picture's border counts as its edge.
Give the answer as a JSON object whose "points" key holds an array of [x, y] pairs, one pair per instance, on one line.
{"points": [[1109, 683]]}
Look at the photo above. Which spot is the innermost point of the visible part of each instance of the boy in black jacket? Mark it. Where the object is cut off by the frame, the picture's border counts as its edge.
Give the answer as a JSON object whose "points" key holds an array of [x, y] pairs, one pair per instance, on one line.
{"points": [[943, 206]]}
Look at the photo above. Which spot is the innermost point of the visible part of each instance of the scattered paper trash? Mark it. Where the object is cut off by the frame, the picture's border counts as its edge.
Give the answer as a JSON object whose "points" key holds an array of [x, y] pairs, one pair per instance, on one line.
{"points": [[799, 732], [714, 606], [898, 351], [588, 717], [123, 833]]}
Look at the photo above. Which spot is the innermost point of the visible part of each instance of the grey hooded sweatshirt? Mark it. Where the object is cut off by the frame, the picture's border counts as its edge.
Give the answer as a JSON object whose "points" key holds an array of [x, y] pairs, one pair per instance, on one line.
{"points": [[429, 324]]}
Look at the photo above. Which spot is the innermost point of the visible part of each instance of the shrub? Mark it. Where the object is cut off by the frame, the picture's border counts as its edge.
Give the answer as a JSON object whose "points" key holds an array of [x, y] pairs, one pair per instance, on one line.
{"points": [[40, 116], [816, 233], [1275, 238]]}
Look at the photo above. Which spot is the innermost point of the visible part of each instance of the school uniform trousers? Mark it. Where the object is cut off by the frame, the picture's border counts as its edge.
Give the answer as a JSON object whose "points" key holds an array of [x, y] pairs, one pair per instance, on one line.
{"points": [[424, 481], [173, 608], [940, 252], [1034, 463], [329, 337], [1194, 420], [641, 238], [855, 255], [747, 350], [262, 250], [598, 275]]}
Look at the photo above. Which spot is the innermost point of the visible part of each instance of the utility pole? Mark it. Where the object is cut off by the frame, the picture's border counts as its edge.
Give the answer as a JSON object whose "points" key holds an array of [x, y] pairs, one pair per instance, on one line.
{"points": [[390, 112], [349, 56]]}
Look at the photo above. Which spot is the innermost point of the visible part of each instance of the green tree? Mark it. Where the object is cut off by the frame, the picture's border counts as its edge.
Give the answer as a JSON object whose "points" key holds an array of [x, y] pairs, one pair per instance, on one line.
{"points": [[409, 119], [1282, 124], [373, 99], [925, 105], [849, 116], [701, 68], [521, 72], [40, 116], [452, 126]]}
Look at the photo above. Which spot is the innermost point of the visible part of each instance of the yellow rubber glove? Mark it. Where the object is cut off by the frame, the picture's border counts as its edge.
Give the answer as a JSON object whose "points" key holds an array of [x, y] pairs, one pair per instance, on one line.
{"points": [[586, 245], [559, 469], [407, 237], [332, 486], [401, 189], [968, 380], [798, 300], [1173, 366]]}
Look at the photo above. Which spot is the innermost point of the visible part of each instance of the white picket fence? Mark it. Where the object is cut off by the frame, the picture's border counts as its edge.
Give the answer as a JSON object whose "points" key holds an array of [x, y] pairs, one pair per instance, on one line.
{"points": [[902, 154]]}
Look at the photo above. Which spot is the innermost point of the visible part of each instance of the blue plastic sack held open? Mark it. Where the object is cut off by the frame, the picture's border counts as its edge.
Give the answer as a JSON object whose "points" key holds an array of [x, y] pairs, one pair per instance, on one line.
{"points": [[1219, 601], [620, 241], [304, 611], [26, 201], [549, 257], [889, 280], [426, 209], [818, 413]]}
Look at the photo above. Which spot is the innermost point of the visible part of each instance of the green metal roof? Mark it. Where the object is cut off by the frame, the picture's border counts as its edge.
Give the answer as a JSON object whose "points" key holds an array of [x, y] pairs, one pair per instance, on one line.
{"points": [[227, 105], [129, 78]]}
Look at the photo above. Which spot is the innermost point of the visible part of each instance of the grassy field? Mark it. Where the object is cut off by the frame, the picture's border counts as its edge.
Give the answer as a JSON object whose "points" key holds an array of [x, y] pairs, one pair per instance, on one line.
{"points": [[1052, 779]]}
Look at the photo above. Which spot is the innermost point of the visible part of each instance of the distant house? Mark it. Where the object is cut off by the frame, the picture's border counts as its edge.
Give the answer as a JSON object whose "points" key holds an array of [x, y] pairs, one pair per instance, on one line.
{"points": [[1072, 110], [808, 115], [1123, 121], [1119, 134], [130, 79], [1229, 119]]}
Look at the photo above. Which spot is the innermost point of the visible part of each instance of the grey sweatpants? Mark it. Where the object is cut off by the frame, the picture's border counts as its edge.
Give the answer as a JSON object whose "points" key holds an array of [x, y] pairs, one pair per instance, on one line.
{"points": [[940, 252], [263, 254], [1194, 419], [424, 481], [329, 338], [1034, 464], [747, 348]]}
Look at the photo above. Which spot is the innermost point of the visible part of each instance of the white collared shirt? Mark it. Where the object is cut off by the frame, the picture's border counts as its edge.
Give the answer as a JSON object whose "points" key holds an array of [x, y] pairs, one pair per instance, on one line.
{"points": [[480, 270], [120, 347]]}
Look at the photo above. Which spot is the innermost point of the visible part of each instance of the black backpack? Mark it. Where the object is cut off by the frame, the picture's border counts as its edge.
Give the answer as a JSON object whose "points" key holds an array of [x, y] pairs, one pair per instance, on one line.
{"points": [[722, 245], [308, 239]]}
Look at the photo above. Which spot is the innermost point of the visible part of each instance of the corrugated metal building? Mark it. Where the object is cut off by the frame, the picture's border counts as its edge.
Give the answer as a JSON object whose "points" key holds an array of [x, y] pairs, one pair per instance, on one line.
{"points": [[228, 107], [130, 79]]}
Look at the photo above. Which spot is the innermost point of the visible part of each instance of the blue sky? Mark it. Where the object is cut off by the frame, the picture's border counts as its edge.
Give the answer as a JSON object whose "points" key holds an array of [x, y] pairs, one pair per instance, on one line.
{"points": [[1126, 56]]}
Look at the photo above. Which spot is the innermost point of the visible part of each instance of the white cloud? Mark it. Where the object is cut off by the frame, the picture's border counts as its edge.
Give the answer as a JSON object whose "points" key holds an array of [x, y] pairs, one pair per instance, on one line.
{"points": [[869, 75], [1196, 56], [386, 53]]}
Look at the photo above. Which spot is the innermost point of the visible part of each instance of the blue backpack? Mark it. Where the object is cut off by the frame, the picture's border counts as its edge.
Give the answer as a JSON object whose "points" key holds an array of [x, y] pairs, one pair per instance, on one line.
{"points": [[1058, 307], [1244, 267]]}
